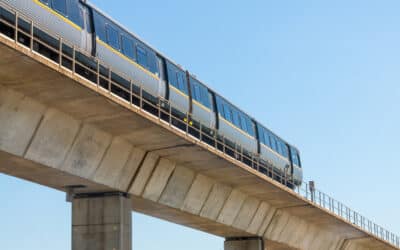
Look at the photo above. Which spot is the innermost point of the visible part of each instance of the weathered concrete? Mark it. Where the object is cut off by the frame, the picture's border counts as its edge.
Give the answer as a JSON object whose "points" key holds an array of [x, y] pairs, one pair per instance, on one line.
{"points": [[244, 244], [102, 222], [58, 130]]}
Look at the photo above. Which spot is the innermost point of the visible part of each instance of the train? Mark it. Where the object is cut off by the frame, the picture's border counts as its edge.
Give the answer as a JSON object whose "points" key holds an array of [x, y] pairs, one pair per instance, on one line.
{"points": [[91, 30]]}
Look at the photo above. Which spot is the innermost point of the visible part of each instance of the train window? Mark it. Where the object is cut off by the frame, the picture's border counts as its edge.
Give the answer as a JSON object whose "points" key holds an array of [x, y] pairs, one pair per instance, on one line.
{"points": [[260, 134], [243, 123], [152, 62], [171, 76], [273, 143], [200, 92], [141, 56], [205, 96], [250, 126], [181, 82], [228, 112], [112, 37], [285, 150], [76, 14], [266, 139], [196, 92], [60, 6], [128, 47], [236, 121], [295, 157]]}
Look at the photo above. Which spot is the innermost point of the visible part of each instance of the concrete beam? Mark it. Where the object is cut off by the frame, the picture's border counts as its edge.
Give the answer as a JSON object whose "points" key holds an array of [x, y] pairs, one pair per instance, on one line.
{"points": [[102, 222], [244, 244]]}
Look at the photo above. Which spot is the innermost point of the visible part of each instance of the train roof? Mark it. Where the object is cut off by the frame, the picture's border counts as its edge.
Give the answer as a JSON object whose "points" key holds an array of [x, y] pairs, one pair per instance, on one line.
{"points": [[92, 6]]}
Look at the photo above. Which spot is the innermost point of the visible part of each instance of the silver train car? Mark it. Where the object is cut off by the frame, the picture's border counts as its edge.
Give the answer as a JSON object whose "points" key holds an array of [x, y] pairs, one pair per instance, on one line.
{"points": [[89, 29]]}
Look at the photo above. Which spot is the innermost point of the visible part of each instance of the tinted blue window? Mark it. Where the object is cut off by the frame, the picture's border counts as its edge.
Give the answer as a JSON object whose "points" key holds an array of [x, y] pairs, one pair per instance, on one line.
{"points": [[128, 47], [285, 150], [236, 120], [244, 123], [177, 78], [260, 134], [75, 13], [196, 92], [228, 112], [200, 92], [266, 139], [250, 127], [99, 26], [60, 6], [182, 82], [295, 157], [152, 63], [172, 76], [112, 37], [273, 143], [141, 56]]}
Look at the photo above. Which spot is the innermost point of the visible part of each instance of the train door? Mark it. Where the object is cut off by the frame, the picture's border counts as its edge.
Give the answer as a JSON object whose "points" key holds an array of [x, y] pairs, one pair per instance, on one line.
{"points": [[163, 78], [87, 32]]}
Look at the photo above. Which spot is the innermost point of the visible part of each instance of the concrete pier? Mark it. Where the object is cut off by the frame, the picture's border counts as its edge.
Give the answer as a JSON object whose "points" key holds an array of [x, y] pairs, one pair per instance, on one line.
{"points": [[244, 244], [101, 222]]}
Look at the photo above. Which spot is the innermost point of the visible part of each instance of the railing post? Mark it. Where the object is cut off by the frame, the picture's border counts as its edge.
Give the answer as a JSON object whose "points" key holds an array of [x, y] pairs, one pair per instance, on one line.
{"points": [[16, 27], [109, 80], [130, 92], [187, 124], [141, 97], [159, 109], [170, 114], [31, 34], [73, 59], [60, 51], [201, 132], [98, 74]]}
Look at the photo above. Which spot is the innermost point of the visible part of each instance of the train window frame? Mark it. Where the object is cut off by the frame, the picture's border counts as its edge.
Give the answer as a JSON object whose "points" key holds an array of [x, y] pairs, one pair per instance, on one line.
{"points": [[131, 45], [285, 150], [152, 64], [181, 82], [172, 76], [250, 126], [266, 139], [109, 27], [235, 117], [243, 122], [220, 106], [196, 92], [228, 112], [272, 142], [205, 96], [53, 6], [140, 48]]}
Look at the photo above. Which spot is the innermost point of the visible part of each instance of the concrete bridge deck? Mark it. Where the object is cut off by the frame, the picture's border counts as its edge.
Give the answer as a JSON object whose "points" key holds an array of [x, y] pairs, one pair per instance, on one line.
{"points": [[59, 129]]}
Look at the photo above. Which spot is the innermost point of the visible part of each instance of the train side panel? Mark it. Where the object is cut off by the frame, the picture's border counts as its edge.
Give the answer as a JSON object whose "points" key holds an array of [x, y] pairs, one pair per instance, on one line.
{"points": [[272, 158], [237, 136], [134, 60], [54, 21], [120, 63]]}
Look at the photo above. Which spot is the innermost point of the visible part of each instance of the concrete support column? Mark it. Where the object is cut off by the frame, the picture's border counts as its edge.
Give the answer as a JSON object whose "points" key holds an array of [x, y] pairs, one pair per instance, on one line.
{"points": [[101, 222], [244, 244]]}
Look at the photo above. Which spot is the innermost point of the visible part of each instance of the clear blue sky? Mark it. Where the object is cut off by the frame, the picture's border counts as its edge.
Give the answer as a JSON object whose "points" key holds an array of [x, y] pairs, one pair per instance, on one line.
{"points": [[322, 74]]}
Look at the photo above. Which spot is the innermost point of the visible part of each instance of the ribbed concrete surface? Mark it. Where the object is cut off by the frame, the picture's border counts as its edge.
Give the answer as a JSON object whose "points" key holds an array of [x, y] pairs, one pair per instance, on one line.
{"points": [[56, 132]]}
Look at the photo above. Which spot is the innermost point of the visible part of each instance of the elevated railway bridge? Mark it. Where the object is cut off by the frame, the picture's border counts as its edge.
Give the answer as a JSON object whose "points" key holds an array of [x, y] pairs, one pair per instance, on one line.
{"points": [[66, 126]]}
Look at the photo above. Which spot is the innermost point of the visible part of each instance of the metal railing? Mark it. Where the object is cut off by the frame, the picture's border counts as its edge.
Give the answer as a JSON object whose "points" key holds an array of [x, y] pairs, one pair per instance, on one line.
{"points": [[68, 57]]}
